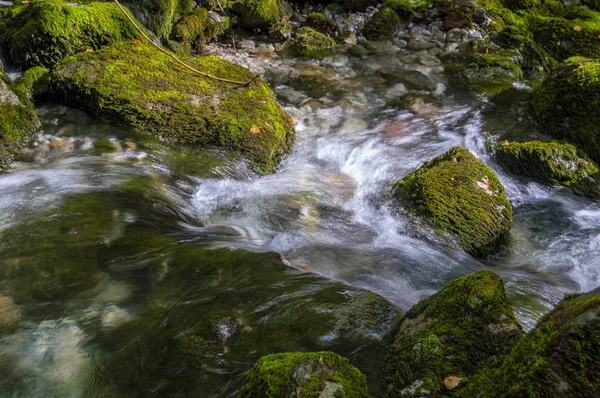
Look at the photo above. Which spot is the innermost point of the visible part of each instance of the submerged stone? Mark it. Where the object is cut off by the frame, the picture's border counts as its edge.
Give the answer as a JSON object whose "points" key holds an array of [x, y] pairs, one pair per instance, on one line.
{"points": [[552, 162], [447, 336], [559, 358], [304, 374], [137, 86], [460, 195], [566, 105], [43, 32]]}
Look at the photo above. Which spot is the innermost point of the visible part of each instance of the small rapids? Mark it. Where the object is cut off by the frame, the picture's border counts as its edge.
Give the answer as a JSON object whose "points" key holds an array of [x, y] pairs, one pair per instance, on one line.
{"points": [[190, 264]]}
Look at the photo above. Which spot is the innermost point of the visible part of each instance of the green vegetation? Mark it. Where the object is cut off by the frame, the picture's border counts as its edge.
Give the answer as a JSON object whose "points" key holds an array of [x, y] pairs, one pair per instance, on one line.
{"points": [[458, 194], [304, 374], [159, 15], [382, 25], [321, 23], [451, 333], [44, 32], [260, 13], [559, 358], [566, 105], [135, 85], [310, 43], [552, 162], [191, 27]]}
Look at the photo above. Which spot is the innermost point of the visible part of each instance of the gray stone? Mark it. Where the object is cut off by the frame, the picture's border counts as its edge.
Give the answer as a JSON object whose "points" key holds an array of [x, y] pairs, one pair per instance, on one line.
{"points": [[416, 80], [420, 31], [420, 45], [247, 45], [457, 35]]}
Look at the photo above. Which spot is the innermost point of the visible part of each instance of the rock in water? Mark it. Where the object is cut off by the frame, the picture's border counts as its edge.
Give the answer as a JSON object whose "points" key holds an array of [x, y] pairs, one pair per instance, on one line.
{"points": [[449, 335], [566, 105], [137, 86], [560, 358], [458, 194], [299, 374], [553, 163]]}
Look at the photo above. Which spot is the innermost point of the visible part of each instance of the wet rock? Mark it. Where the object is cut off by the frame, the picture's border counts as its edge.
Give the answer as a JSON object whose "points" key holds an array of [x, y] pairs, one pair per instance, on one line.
{"points": [[10, 315], [459, 195], [318, 374], [382, 25], [417, 44], [113, 317], [457, 18], [446, 337], [264, 49], [480, 17], [565, 105], [416, 80], [457, 35], [314, 86], [87, 80], [225, 328], [247, 45], [418, 103], [559, 358], [552, 163]]}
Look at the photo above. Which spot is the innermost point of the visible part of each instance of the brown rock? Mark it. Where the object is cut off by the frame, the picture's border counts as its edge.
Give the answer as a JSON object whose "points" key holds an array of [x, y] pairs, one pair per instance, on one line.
{"points": [[452, 382], [10, 313], [59, 143]]}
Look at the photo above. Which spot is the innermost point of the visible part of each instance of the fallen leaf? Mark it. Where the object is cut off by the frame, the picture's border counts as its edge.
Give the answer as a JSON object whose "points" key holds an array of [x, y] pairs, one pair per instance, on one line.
{"points": [[24, 1], [89, 50], [577, 28], [254, 130], [451, 178], [137, 41], [487, 50], [504, 143], [580, 67]]}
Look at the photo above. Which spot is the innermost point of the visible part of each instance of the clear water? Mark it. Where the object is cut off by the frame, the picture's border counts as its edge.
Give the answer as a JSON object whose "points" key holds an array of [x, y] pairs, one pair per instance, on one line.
{"points": [[153, 271]]}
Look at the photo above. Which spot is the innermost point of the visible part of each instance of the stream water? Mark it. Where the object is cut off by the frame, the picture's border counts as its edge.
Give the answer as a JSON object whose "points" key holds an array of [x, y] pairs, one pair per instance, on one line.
{"points": [[153, 271]]}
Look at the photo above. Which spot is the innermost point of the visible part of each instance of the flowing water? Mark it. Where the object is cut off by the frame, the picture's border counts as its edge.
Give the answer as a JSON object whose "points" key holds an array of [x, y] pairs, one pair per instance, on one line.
{"points": [[153, 271]]}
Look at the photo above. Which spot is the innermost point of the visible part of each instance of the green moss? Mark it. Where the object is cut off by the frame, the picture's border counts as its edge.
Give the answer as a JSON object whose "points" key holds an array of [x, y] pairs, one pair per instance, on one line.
{"points": [[559, 358], [382, 25], [303, 374], [321, 23], [191, 27], [563, 38], [281, 31], [552, 162], [458, 194], [135, 85], [32, 81], [401, 7], [314, 86], [18, 121], [158, 15], [261, 13], [451, 333], [566, 105], [102, 146], [310, 43], [44, 32]]}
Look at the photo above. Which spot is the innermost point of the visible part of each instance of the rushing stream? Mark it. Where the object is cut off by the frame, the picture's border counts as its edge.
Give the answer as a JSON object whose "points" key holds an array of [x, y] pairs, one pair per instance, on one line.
{"points": [[169, 272]]}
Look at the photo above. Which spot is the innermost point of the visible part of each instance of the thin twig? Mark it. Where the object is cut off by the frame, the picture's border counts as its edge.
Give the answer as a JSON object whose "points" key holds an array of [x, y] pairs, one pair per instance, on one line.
{"points": [[244, 84]]}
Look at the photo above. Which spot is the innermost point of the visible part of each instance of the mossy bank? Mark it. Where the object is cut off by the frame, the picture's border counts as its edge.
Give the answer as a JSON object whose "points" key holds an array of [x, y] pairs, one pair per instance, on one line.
{"points": [[137, 86]]}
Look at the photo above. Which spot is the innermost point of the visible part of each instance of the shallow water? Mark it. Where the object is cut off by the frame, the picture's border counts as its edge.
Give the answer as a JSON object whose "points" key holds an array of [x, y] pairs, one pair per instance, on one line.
{"points": [[152, 271]]}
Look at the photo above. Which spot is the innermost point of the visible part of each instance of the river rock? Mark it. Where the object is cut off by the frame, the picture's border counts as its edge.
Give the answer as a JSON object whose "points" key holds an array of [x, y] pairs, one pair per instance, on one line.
{"points": [[134, 85], [247, 45], [304, 374], [552, 163], [457, 35], [60, 29], [566, 105], [458, 194], [559, 358], [10, 314], [449, 334]]}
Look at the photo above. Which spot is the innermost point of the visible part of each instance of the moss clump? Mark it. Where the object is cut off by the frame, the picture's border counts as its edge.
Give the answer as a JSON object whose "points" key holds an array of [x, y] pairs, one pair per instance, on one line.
{"points": [[314, 86], [191, 27], [552, 162], [382, 25], [321, 23], [260, 13], [451, 333], [567, 105], [31, 82], [401, 7], [310, 43], [137, 86], [563, 38], [18, 121], [560, 358], [458, 194], [44, 32], [102, 146], [304, 374], [159, 15]]}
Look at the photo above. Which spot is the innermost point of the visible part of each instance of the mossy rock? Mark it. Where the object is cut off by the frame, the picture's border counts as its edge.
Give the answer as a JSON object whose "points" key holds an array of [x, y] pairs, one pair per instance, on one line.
{"points": [[137, 86], [322, 23], [415, 102], [44, 32], [305, 374], [257, 14], [382, 25], [451, 333], [458, 194], [159, 15], [191, 27], [567, 105], [552, 163], [310, 43], [560, 358], [314, 86], [18, 121]]}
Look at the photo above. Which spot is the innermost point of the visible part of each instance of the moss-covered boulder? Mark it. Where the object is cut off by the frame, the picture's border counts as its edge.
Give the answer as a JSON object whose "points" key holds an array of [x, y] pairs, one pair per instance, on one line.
{"points": [[135, 85], [159, 15], [260, 13], [18, 121], [567, 105], [552, 163], [310, 43], [451, 333], [43, 32], [382, 25], [322, 23], [458, 194], [560, 358], [304, 374]]}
